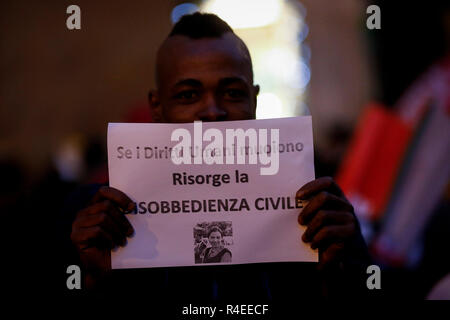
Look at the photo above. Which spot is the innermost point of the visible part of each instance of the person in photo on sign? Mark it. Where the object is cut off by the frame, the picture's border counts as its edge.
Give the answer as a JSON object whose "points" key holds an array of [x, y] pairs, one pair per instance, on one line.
{"points": [[217, 252], [204, 72]]}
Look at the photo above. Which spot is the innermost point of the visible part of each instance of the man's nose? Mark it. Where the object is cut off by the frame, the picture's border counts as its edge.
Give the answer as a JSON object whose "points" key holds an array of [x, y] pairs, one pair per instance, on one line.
{"points": [[212, 111]]}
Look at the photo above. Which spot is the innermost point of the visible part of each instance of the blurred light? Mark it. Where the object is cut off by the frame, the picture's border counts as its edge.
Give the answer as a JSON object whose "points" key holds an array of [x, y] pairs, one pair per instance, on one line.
{"points": [[68, 159], [302, 77], [303, 33], [306, 52], [269, 106], [181, 10], [286, 65], [282, 63], [246, 14]]}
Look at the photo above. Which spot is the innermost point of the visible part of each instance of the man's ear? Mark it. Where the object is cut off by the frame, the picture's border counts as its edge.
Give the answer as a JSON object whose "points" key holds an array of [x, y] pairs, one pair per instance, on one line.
{"points": [[155, 106], [255, 96]]}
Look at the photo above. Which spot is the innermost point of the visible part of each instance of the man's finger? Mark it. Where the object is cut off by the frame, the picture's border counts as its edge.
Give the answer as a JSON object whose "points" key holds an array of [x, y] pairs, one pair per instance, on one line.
{"points": [[330, 234], [118, 217], [107, 223], [95, 236], [108, 207], [324, 218], [319, 185], [117, 196], [323, 201]]}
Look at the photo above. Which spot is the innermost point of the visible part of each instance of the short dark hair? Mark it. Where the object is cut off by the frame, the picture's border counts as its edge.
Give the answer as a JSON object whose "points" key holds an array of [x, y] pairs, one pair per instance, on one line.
{"points": [[200, 25], [203, 25]]}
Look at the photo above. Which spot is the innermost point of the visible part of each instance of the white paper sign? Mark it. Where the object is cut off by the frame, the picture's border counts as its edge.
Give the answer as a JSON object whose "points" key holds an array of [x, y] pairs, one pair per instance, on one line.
{"points": [[219, 213]]}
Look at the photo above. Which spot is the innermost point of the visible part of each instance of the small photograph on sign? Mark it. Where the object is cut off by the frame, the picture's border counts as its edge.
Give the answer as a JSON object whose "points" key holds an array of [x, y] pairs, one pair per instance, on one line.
{"points": [[212, 242]]}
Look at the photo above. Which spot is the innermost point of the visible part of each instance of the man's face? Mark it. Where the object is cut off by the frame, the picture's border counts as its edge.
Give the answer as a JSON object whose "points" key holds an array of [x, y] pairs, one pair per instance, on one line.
{"points": [[207, 79]]}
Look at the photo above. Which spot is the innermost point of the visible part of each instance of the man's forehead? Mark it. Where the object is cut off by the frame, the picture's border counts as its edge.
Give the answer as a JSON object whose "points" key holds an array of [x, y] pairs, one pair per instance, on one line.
{"points": [[227, 42], [181, 52]]}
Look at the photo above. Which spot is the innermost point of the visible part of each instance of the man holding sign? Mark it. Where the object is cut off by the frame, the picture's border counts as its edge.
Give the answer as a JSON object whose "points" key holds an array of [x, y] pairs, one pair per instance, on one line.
{"points": [[204, 73]]}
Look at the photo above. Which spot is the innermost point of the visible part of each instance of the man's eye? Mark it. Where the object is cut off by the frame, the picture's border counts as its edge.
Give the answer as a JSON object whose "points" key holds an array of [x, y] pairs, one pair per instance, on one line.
{"points": [[187, 95], [235, 94]]}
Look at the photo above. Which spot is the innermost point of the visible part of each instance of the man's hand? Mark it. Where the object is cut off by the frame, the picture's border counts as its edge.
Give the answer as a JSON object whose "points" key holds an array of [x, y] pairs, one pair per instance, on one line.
{"points": [[330, 220], [99, 228]]}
